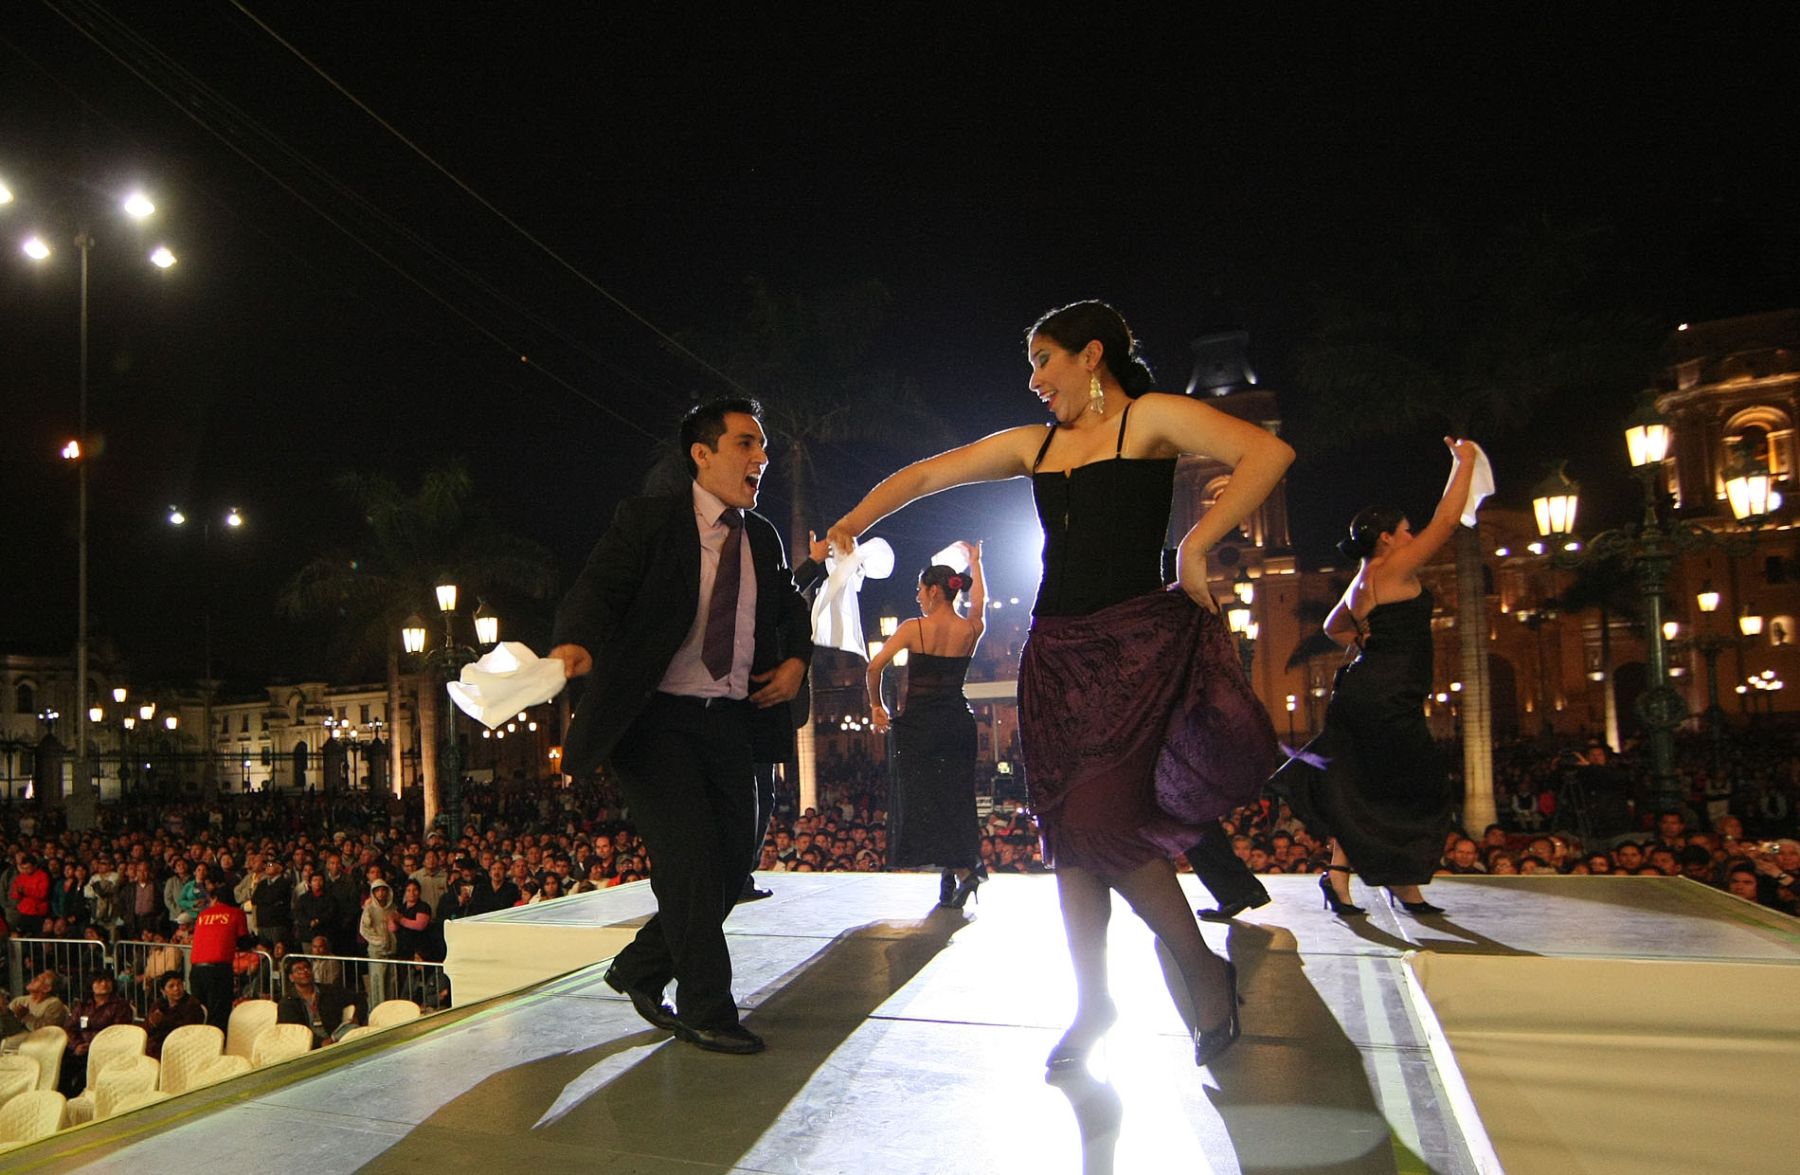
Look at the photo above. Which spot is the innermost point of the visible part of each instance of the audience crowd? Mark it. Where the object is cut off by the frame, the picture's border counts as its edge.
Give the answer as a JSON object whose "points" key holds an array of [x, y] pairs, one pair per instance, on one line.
{"points": [[334, 884]]}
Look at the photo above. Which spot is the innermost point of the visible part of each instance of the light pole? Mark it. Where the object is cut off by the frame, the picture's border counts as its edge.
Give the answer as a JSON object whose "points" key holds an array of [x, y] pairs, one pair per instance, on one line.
{"points": [[1649, 549], [79, 450], [441, 664], [1239, 617], [233, 521]]}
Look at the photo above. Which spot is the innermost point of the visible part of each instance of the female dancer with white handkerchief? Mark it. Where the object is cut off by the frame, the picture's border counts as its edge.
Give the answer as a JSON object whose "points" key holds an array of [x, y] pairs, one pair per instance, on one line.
{"points": [[931, 814], [1374, 780]]}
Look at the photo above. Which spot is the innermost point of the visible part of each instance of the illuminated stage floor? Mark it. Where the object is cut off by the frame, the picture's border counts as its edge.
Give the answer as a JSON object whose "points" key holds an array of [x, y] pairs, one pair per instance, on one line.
{"points": [[907, 1040]]}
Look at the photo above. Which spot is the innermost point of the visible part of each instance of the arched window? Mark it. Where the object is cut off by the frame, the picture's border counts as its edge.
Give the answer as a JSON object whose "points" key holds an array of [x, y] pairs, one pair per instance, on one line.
{"points": [[25, 699], [1763, 434]]}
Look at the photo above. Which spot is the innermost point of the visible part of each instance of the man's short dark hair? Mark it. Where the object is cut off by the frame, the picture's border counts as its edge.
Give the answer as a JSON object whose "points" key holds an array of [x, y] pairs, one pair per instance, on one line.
{"points": [[705, 424]]}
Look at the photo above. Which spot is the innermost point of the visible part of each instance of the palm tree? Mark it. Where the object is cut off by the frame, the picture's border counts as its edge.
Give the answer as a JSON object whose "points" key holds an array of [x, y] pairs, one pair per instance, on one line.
{"points": [[412, 542], [1469, 339], [1605, 585], [804, 356]]}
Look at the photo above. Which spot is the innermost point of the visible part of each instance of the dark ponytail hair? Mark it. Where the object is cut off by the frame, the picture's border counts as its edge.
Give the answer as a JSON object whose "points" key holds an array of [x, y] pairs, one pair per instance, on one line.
{"points": [[949, 582], [1370, 523], [1080, 323]]}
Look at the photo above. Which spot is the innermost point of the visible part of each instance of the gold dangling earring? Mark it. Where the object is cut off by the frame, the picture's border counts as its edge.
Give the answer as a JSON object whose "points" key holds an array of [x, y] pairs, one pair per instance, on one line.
{"points": [[1096, 396]]}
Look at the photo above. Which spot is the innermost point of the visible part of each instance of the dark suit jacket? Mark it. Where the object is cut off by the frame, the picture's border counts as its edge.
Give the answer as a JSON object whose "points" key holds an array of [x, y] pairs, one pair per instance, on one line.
{"points": [[633, 605]]}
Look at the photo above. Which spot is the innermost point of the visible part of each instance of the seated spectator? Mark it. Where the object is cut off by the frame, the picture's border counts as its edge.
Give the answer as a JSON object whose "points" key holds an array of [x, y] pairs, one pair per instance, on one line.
{"points": [[1532, 863], [1697, 864], [1599, 863], [102, 1009], [176, 1008], [1778, 869], [1503, 865], [1628, 856], [40, 1006], [1671, 829], [549, 891], [1664, 861], [1465, 858], [325, 970], [328, 1009]]}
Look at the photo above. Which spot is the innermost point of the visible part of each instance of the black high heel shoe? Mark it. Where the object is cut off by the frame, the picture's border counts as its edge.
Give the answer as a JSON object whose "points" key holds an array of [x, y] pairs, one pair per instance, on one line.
{"points": [[1211, 1043], [946, 887], [1335, 904], [1418, 909], [965, 889], [1068, 1057]]}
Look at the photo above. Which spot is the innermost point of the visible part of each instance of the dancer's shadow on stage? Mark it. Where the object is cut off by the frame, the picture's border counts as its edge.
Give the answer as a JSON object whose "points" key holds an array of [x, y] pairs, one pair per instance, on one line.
{"points": [[681, 1103], [1296, 1092], [1438, 932]]}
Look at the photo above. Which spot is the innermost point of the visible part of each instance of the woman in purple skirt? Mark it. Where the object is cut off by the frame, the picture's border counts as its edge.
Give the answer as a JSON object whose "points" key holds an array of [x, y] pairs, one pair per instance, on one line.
{"points": [[1138, 725]]}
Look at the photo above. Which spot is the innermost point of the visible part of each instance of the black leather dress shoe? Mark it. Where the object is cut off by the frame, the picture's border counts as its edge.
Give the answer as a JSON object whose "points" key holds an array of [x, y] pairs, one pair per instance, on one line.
{"points": [[752, 894], [1230, 910], [736, 1039], [652, 1009]]}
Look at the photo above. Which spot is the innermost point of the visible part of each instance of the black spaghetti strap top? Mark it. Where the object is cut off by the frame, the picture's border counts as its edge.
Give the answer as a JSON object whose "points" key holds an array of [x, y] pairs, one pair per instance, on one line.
{"points": [[1104, 527]]}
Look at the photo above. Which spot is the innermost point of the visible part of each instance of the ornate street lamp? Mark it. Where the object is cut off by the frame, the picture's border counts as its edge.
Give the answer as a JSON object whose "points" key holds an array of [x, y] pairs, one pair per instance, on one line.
{"points": [[1649, 549], [1241, 620], [442, 664]]}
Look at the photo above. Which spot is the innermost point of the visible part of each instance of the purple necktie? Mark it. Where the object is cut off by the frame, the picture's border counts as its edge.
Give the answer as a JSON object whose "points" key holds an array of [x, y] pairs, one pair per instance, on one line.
{"points": [[720, 643]]}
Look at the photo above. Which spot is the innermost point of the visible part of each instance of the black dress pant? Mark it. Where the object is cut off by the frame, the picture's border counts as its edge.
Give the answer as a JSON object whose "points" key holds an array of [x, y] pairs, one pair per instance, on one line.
{"points": [[213, 986], [765, 809], [1226, 877], [685, 770]]}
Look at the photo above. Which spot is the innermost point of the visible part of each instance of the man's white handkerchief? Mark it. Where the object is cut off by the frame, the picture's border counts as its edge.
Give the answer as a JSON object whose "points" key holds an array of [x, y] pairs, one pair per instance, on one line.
{"points": [[511, 677]]}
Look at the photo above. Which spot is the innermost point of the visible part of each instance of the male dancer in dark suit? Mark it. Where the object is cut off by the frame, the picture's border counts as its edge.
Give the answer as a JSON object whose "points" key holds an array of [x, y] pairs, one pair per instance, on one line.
{"points": [[1228, 879], [687, 622]]}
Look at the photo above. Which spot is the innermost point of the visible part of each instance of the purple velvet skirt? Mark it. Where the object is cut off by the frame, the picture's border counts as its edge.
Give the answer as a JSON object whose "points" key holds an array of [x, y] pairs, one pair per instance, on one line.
{"points": [[1138, 727]]}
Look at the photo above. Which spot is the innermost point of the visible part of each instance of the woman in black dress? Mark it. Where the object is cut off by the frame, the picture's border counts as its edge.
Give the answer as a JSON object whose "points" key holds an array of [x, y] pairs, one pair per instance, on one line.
{"points": [[931, 815], [1382, 793], [1137, 723]]}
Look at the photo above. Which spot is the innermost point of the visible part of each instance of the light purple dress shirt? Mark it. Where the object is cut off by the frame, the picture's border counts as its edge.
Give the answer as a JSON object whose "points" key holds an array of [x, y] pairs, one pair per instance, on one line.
{"points": [[686, 674]]}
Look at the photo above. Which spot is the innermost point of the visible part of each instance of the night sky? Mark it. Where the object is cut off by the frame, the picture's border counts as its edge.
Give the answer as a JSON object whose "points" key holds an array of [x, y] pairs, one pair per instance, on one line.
{"points": [[343, 303]]}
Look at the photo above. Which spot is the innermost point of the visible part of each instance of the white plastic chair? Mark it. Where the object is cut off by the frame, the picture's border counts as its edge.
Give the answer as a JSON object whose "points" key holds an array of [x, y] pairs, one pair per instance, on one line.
{"points": [[35, 1114], [357, 1033], [219, 1068], [122, 1078], [46, 1046], [390, 1012], [247, 1022], [118, 1042], [18, 1078], [186, 1049], [132, 1101], [279, 1042]]}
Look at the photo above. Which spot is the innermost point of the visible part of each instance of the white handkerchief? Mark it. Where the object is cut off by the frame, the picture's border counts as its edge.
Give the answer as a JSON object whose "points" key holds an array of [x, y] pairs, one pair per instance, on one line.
{"points": [[837, 610], [1481, 485], [499, 685]]}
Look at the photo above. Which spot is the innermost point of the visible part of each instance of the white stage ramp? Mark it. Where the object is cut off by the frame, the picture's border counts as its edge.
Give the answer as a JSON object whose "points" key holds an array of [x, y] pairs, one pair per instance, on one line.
{"points": [[904, 1039]]}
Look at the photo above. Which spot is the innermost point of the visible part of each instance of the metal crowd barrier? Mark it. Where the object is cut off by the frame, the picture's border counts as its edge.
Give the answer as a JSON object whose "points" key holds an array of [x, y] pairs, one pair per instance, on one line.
{"points": [[375, 980], [140, 965], [75, 960]]}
